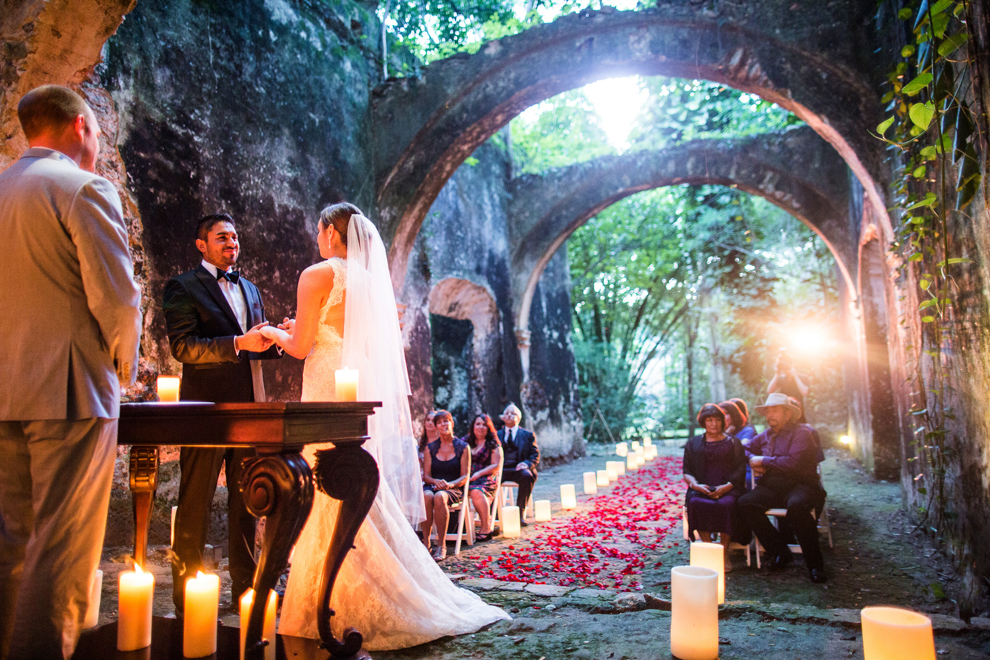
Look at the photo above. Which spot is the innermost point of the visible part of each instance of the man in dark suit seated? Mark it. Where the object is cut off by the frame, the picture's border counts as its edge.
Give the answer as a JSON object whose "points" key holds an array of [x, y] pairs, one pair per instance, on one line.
{"points": [[784, 459], [213, 317], [522, 455]]}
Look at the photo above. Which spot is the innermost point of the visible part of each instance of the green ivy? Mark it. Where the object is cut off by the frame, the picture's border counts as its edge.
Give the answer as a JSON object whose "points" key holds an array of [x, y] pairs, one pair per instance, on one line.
{"points": [[932, 130]]}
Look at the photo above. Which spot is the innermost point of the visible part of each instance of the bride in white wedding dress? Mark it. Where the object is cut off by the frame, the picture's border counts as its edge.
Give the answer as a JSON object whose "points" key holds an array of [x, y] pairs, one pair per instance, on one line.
{"points": [[389, 587]]}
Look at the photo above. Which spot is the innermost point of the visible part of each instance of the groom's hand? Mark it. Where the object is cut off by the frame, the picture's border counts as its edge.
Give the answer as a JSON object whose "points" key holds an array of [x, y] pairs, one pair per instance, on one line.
{"points": [[253, 340]]}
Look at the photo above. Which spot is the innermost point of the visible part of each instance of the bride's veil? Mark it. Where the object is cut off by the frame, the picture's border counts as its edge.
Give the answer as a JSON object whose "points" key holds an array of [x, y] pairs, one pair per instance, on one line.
{"points": [[373, 346]]}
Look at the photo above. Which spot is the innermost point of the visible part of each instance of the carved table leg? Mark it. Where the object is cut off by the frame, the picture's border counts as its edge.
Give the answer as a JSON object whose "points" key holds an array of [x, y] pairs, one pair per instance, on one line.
{"points": [[347, 473], [143, 471], [280, 488]]}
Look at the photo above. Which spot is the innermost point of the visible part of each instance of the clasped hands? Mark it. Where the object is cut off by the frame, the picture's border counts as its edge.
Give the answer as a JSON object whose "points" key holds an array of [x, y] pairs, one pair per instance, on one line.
{"points": [[261, 337], [272, 334], [715, 493]]}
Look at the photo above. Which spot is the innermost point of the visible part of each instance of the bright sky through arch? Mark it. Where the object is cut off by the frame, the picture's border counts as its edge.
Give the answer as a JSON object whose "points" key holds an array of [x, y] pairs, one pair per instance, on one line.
{"points": [[618, 101]]}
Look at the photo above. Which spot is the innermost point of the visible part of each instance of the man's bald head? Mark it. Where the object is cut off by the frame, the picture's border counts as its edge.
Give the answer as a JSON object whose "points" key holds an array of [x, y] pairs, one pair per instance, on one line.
{"points": [[55, 117], [49, 109]]}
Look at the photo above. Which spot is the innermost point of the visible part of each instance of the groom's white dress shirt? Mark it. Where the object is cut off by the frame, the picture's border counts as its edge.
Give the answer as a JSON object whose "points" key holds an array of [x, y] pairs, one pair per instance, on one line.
{"points": [[235, 298]]}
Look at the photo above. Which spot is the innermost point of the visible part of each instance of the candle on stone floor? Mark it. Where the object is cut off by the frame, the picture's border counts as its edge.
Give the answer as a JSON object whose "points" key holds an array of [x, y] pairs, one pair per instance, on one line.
{"points": [[601, 478], [95, 595], [199, 629], [510, 522], [694, 613], [640, 457], [347, 384], [647, 442], [168, 389], [568, 497], [621, 449], [268, 629], [135, 595], [543, 511], [891, 633], [631, 462], [612, 470], [711, 555], [590, 483], [620, 466], [651, 452], [634, 446]]}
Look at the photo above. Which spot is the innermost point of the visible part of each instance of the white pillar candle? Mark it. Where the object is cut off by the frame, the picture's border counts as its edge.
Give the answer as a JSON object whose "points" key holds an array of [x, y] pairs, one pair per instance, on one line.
{"points": [[890, 633], [347, 384], [168, 389], [543, 511], [651, 452], [199, 629], [172, 537], [620, 466], [634, 446], [631, 462], [694, 613], [621, 449], [601, 478], [590, 483], [268, 629], [640, 458], [510, 522], [612, 471], [135, 596], [711, 555], [568, 497], [647, 442], [95, 595]]}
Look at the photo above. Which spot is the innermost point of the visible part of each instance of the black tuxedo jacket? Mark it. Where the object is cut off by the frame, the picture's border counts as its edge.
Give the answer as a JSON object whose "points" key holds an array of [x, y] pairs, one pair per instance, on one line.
{"points": [[525, 442], [201, 328]]}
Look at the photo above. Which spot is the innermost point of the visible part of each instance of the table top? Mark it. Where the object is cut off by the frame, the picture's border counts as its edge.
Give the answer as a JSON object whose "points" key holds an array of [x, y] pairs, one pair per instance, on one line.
{"points": [[273, 425]]}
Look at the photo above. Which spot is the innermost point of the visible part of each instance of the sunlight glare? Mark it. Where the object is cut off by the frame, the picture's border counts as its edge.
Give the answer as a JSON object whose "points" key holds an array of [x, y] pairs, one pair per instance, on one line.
{"points": [[618, 102]]}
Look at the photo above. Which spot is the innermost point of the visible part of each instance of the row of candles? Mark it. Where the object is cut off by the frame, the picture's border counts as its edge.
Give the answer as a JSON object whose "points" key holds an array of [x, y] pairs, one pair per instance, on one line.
{"points": [[136, 595], [635, 456], [346, 382]]}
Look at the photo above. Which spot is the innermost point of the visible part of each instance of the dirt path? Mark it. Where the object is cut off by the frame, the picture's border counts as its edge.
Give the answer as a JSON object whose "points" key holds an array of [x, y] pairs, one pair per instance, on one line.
{"points": [[583, 586]]}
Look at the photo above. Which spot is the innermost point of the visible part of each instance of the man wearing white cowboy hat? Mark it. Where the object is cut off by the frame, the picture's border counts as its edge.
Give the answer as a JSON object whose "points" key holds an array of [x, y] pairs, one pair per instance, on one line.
{"points": [[784, 459]]}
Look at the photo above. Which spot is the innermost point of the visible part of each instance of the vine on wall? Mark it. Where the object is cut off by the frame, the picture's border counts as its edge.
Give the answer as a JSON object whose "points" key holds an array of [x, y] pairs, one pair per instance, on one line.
{"points": [[933, 131]]}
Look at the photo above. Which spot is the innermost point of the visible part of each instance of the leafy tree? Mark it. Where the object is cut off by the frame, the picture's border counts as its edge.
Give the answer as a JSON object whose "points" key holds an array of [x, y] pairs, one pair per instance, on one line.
{"points": [[556, 133]]}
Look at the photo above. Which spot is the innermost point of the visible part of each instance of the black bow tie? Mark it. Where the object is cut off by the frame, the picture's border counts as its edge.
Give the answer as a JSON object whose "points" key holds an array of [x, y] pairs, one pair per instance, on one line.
{"points": [[229, 275]]}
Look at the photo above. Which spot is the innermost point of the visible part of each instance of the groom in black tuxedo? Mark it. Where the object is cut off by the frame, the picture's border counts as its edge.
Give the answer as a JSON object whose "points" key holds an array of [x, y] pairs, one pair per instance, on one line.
{"points": [[522, 455], [213, 317]]}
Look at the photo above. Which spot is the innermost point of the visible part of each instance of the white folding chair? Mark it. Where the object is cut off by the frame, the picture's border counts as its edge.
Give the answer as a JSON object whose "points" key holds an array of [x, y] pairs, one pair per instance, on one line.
{"points": [[462, 509], [495, 510], [509, 498]]}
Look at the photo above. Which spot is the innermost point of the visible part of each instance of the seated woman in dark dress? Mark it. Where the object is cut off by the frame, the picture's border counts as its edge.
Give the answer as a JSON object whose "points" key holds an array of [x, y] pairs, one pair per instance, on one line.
{"points": [[446, 466], [714, 470], [486, 465]]}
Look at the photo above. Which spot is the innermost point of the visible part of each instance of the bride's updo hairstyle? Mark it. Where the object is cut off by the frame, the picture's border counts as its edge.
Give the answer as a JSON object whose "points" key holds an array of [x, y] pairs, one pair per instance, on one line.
{"points": [[339, 215]]}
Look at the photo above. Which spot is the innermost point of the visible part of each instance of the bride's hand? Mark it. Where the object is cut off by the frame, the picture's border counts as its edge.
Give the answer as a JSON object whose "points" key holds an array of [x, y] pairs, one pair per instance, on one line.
{"points": [[287, 324], [268, 332]]}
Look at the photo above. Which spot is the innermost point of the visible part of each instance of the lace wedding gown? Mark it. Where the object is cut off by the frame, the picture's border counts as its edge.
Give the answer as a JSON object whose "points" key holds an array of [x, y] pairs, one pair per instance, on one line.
{"points": [[389, 587]]}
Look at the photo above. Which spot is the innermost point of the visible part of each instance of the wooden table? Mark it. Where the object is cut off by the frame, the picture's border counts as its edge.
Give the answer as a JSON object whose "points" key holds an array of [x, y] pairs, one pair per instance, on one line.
{"points": [[277, 484]]}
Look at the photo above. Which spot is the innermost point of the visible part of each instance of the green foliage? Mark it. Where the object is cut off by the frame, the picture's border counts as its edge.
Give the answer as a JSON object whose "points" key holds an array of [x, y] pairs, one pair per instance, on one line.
{"points": [[556, 133], [932, 130], [657, 273], [680, 110]]}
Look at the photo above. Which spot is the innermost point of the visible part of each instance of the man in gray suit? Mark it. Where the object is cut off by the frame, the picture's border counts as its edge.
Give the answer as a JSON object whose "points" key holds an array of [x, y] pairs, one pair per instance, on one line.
{"points": [[70, 328]]}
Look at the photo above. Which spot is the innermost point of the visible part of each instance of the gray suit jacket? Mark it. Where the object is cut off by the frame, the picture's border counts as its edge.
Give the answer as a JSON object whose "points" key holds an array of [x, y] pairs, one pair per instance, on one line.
{"points": [[70, 318]]}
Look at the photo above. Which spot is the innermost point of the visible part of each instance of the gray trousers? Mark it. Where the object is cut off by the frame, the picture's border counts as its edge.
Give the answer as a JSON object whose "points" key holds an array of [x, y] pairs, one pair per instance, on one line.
{"points": [[55, 478]]}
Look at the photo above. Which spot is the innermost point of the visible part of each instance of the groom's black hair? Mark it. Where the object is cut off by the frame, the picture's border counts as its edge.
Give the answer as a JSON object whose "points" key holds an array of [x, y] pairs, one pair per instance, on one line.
{"points": [[206, 224]]}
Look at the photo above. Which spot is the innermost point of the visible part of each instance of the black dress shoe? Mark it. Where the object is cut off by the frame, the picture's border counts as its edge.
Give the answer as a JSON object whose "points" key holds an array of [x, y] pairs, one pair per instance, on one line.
{"points": [[523, 523], [780, 561], [818, 575]]}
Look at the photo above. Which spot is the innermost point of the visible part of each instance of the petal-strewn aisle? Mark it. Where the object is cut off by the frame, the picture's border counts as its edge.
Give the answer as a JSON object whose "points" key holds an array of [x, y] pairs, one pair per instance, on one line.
{"points": [[605, 543]]}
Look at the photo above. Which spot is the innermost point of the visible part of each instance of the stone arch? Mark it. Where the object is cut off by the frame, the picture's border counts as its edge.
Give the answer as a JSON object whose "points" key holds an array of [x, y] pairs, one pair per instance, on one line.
{"points": [[797, 171], [426, 126], [464, 300]]}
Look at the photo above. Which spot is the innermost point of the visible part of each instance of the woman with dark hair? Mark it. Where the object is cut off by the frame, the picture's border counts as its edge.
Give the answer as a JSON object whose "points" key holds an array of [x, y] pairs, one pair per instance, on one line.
{"points": [[745, 431], [446, 465], [389, 587], [486, 463], [715, 472]]}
